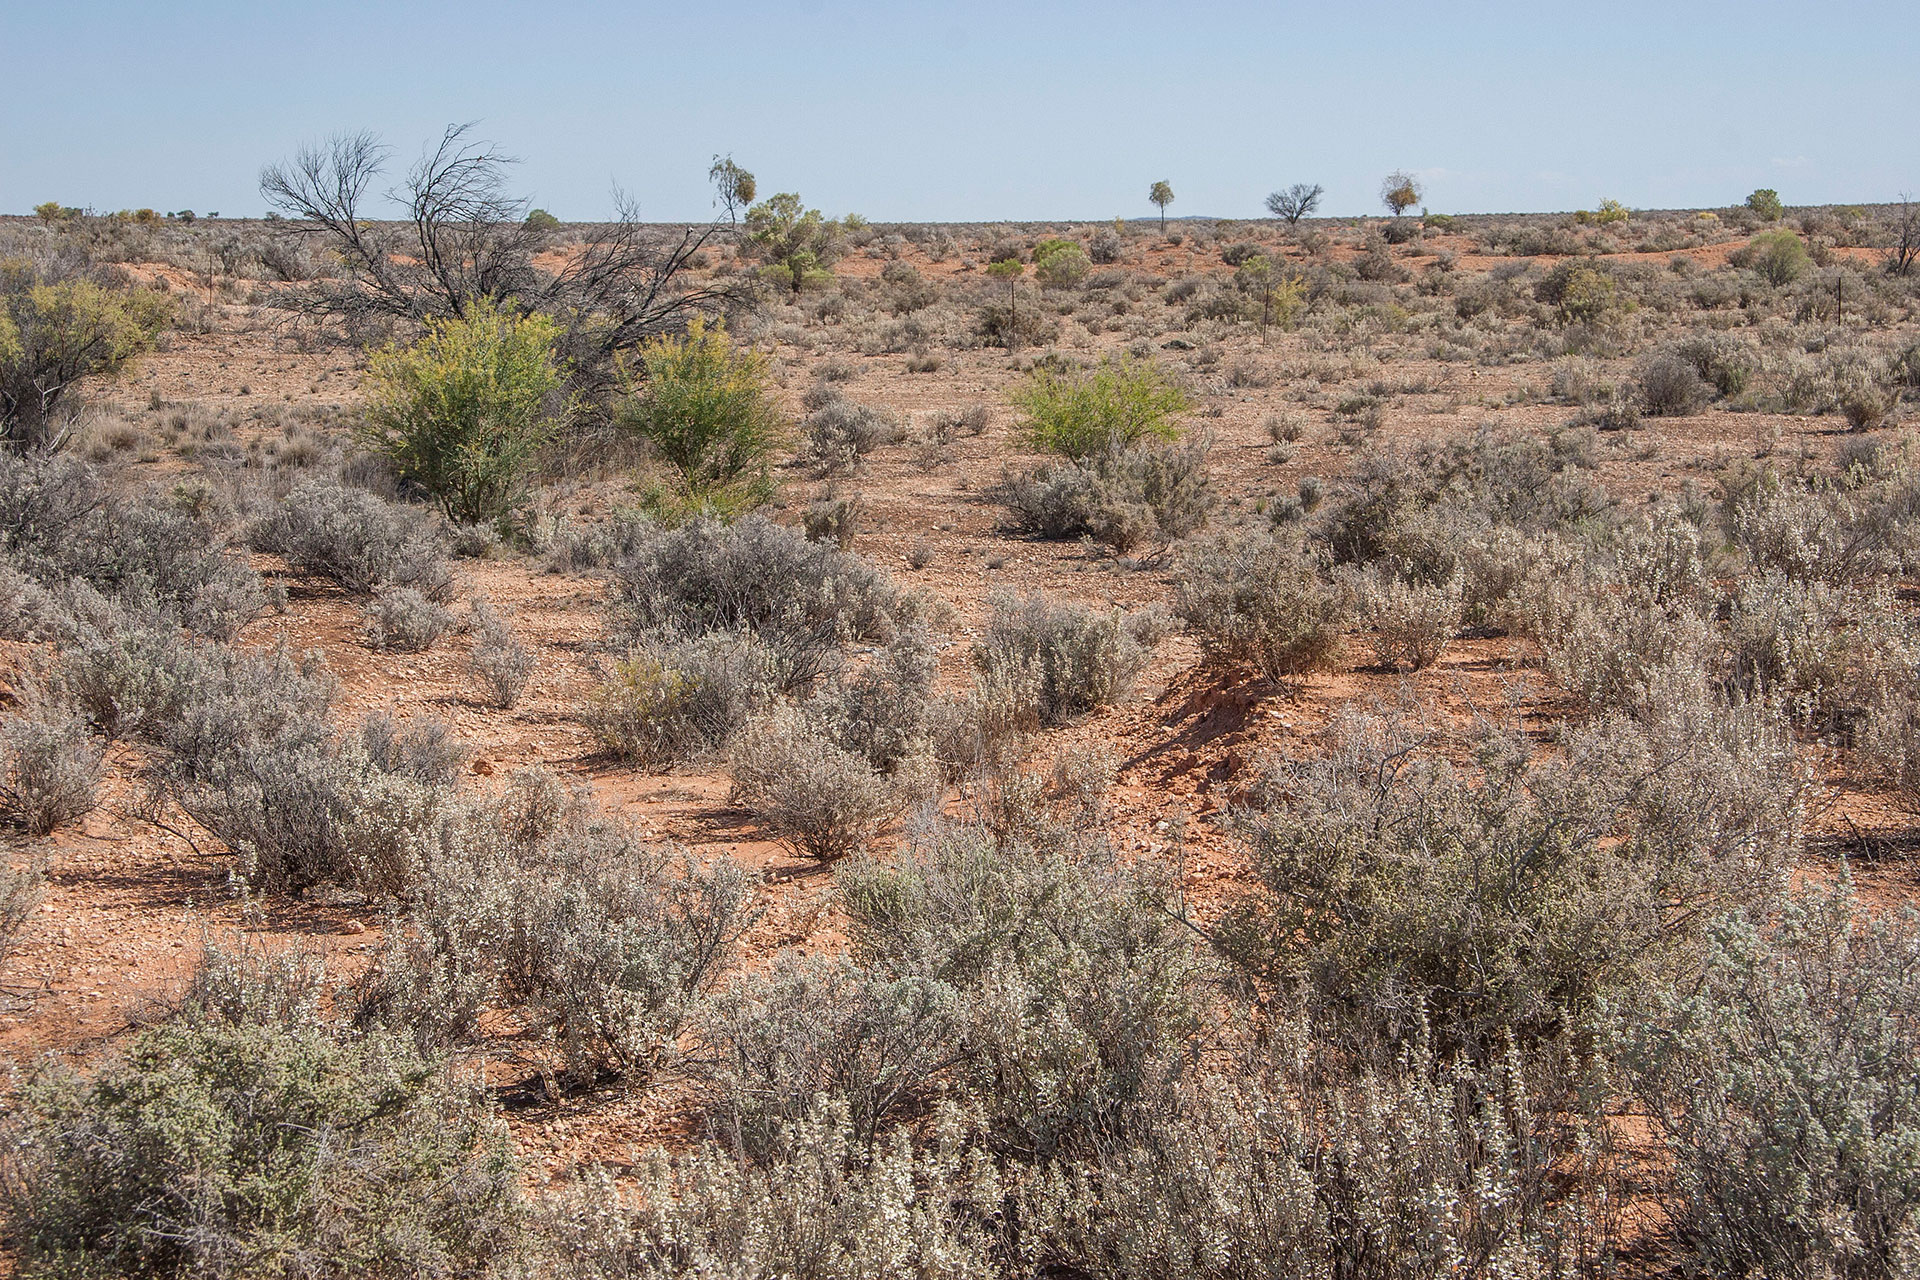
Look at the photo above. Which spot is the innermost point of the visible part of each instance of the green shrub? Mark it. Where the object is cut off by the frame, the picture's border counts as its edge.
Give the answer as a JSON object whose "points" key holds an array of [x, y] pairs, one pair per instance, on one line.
{"points": [[1783, 1085], [798, 244], [1766, 203], [257, 1148], [465, 411], [707, 408], [1779, 257], [56, 333], [1058, 263], [1579, 294], [1083, 413]]}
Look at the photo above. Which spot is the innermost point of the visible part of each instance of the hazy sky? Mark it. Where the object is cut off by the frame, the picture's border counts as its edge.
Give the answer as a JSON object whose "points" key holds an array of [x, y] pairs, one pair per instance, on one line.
{"points": [[918, 111]]}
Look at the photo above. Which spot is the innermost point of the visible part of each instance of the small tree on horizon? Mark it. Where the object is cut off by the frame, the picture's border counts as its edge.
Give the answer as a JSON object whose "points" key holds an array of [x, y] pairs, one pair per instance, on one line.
{"points": [[1161, 193], [1766, 203], [1400, 191], [797, 243], [1296, 202], [734, 188]]}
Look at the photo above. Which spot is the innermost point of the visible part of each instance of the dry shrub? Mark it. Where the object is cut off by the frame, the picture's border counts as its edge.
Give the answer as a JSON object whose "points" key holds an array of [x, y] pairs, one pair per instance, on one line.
{"points": [[356, 539], [1123, 497], [883, 711], [1412, 622], [670, 702], [1825, 653], [498, 660], [840, 434], [1258, 600], [813, 795], [1816, 528], [777, 1043], [1078, 989], [1782, 1084], [233, 1141], [49, 765], [61, 526], [533, 903], [1670, 385], [803, 599], [241, 743], [834, 518], [1506, 901], [1403, 1169], [404, 620], [1059, 661]]}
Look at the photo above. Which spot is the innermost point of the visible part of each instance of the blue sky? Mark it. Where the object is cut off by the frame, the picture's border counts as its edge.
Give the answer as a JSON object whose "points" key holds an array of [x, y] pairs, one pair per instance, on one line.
{"points": [[920, 111]]}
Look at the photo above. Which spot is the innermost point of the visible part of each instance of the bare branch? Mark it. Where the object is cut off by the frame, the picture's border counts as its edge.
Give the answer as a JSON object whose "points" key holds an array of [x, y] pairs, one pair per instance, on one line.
{"points": [[465, 238]]}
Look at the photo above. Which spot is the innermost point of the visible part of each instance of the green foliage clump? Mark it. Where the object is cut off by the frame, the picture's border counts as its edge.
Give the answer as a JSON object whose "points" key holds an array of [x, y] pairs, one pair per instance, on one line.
{"points": [[1779, 257], [1083, 413], [707, 408], [466, 410], [1400, 191], [1766, 203], [798, 244], [1585, 296], [55, 333], [1060, 262], [541, 220]]}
